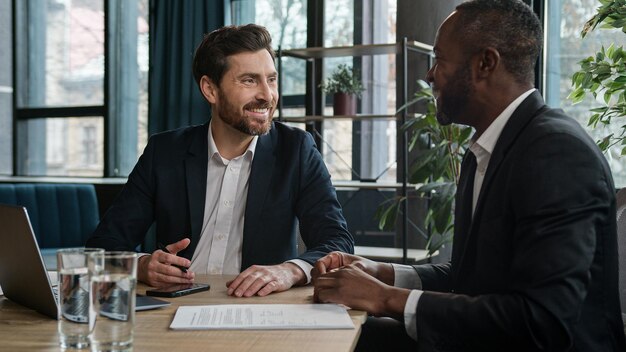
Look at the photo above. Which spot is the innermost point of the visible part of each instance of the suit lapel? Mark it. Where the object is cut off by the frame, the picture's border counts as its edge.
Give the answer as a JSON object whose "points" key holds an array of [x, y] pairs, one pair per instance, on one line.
{"points": [[196, 164], [526, 112], [258, 185]]}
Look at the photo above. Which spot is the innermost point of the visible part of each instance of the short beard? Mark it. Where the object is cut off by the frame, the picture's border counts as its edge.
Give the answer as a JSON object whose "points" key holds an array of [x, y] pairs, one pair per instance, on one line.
{"points": [[243, 127], [228, 113], [456, 96]]}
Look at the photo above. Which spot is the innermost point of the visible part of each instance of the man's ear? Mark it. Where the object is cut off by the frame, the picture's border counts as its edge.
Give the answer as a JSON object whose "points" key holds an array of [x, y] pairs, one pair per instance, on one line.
{"points": [[488, 62], [208, 89]]}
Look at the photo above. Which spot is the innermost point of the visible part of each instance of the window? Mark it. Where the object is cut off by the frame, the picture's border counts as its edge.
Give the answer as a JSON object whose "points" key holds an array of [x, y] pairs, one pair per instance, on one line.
{"points": [[6, 88], [81, 86], [565, 19]]}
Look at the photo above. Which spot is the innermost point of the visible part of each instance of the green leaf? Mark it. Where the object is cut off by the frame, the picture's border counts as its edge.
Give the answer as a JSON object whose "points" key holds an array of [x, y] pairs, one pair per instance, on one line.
{"points": [[603, 144], [387, 213], [609, 52], [577, 95], [586, 82], [593, 120], [607, 97]]}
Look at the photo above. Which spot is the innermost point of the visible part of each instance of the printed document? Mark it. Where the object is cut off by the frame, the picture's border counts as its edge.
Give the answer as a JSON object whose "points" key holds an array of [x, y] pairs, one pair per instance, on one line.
{"points": [[262, 317]]}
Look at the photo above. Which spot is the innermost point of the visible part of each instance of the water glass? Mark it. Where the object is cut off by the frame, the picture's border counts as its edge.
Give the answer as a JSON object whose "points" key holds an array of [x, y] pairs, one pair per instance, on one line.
{"points": [[112, 308], [75, 266]]}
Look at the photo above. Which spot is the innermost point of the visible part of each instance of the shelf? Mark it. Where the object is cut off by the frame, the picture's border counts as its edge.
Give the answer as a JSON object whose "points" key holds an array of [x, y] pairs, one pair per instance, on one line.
{"points": [[314, 56], [356, 50], [368, 185], [304, 119]]}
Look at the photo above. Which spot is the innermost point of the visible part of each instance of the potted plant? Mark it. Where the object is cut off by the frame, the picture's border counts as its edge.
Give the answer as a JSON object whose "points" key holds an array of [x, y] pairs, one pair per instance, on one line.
{"points": [[435, 170], [346, 87], [604, 74]]}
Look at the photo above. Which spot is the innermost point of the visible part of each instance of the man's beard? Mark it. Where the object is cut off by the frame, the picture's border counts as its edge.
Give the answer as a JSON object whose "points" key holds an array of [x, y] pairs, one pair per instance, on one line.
{"points": [[455, 96], [230, 114]]}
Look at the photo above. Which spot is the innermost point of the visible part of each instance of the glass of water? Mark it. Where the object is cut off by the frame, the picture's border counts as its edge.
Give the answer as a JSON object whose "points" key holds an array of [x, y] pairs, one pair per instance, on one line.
{"points": [[74, 266], [112, 308]]}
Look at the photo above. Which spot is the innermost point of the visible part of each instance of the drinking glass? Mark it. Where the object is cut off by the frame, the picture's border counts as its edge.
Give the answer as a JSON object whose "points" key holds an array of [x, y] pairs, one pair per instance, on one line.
{"points": [[74, 266], [112, 308]]}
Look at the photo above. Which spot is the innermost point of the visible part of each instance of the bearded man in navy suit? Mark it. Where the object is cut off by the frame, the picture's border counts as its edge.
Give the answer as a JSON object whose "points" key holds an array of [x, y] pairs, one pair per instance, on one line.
{"points": [[227, 196]]}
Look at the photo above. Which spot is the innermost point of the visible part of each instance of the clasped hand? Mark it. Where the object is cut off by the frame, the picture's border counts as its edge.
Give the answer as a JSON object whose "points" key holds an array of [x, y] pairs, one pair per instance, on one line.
{"points": [[358, 283]]}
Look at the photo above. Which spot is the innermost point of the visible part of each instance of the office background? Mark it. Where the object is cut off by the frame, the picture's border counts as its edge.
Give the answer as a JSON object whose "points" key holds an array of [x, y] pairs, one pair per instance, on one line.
{"points": [[83, 83]]}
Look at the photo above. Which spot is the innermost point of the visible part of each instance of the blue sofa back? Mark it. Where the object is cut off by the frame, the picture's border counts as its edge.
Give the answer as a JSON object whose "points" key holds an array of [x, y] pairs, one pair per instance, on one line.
{"points": [[62, 215]]}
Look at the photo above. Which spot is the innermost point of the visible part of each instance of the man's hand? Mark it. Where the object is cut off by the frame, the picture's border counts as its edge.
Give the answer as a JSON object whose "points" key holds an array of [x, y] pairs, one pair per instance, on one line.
{"points": [[156, 269], [263, 280], [353, 287], [335, 260]]}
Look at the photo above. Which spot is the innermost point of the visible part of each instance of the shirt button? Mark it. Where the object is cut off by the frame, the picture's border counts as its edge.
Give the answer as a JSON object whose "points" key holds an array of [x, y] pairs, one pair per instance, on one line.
{"points": [[220, 237], [215, 271]]}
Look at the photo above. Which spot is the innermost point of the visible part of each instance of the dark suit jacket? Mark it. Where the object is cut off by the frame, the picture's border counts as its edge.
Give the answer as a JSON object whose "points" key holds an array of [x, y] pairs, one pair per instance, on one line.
{"points": [[288, 180], [537, 267]]}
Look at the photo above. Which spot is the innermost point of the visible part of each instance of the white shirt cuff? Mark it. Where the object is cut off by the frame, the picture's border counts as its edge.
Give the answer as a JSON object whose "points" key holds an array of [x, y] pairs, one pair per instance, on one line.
{"points": [[306, 267], [410, 313], [405, 276]]}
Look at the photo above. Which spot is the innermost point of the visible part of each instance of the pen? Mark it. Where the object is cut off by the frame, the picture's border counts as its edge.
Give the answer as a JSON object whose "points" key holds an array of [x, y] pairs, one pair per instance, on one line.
{"points": [[162, 247]]}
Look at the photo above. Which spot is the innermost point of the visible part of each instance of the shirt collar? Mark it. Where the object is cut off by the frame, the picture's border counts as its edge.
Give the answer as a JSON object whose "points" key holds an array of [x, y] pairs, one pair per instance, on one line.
{"points": [[483, 147], [214, 152], [488, 139]]}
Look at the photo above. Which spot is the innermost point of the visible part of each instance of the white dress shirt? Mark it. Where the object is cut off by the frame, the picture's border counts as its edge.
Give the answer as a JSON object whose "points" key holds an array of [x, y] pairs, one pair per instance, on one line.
{"points": [[219, 248], [404, 275]]}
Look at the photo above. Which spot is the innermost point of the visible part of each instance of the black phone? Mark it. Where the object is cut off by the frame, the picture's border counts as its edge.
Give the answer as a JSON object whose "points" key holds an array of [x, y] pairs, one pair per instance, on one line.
{"points": [[178, 290]]}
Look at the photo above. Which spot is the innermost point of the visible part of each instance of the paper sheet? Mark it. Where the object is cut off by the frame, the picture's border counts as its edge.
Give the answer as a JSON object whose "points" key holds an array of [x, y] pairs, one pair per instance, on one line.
{"points": [[262, 317]]}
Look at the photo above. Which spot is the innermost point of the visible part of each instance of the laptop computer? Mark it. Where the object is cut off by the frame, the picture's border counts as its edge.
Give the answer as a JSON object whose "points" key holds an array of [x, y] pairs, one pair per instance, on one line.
{"points": [[23, 275]]}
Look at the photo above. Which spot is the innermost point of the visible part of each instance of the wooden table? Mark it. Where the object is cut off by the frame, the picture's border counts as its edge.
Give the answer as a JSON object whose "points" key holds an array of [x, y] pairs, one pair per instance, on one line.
{"points": [[26, 330]]}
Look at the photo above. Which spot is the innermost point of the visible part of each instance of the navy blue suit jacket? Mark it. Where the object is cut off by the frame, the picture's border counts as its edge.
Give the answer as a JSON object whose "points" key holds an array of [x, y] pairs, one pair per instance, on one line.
{"points": [[536, 269], [288, 183]]}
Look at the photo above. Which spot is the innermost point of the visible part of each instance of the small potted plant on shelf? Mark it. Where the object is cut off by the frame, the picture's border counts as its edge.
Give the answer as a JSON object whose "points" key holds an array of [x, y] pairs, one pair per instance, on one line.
{"points": [[346, 87]]}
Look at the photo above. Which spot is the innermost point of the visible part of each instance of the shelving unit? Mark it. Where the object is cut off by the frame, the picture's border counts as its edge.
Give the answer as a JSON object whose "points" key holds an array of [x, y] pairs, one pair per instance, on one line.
{"points": [[313, 55]]}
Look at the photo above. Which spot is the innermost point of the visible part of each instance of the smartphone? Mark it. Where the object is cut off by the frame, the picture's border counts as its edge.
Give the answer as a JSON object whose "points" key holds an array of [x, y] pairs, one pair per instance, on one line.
{"points": [[178, 290]]}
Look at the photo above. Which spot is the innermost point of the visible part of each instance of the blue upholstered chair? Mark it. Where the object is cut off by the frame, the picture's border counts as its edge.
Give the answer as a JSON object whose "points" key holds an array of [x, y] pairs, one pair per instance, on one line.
{"points": [[62, 215]]}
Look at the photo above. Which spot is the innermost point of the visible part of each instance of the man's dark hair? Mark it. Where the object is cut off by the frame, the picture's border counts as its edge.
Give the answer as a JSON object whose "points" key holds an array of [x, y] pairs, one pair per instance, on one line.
{"points": [[509, 26], [210, 56]]}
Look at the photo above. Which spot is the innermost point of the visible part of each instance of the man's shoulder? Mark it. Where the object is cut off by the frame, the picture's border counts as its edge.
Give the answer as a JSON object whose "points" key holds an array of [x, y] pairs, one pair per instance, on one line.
{"points": [[555, 121]]}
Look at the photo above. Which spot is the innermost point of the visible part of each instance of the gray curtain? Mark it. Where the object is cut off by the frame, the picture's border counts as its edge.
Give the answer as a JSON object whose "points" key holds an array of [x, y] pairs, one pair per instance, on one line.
{"points": [[176, 27]]}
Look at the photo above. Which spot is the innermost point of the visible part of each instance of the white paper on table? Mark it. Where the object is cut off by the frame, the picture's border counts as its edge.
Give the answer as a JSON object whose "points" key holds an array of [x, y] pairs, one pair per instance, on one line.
{"points": [[262, 317]]}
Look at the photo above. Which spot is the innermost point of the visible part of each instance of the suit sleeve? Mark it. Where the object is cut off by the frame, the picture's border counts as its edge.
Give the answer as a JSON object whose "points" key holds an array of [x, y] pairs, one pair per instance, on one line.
{"points": [[125, 224], [434, 277], [560, 200], [322, 225]]}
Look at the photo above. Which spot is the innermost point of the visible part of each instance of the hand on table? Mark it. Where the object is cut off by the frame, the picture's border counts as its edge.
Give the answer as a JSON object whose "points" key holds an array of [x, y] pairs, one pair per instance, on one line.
{"points": [[351, 286], [157, 269], [263, 280]]}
